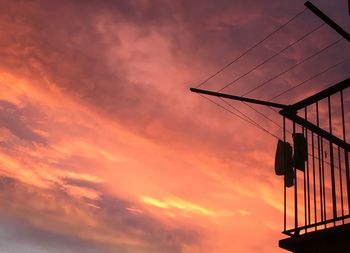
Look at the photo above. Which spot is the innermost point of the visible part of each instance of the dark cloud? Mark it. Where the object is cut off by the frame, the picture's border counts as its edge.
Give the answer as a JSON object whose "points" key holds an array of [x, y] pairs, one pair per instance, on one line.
{"points": [[18, 235], [160, 238], [55, 234], [20, 121]]}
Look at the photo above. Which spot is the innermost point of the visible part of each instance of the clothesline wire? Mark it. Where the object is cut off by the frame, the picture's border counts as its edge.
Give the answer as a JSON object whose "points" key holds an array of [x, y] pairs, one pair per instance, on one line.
{"points": [[292, 67], [245, 118], [251, 121], [303, 82], [309, 79], [251, 48], [271, 57]]}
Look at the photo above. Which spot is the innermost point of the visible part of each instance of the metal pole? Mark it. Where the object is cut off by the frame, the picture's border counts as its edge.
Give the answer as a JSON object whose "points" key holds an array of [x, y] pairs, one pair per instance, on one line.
{"points": [[314, 177], [341, 185], [284, 181], [345, 150], [244, 99], [304, 187], [295, 193], [319, 163], [327, 20], [307, 175], [334, 198]]}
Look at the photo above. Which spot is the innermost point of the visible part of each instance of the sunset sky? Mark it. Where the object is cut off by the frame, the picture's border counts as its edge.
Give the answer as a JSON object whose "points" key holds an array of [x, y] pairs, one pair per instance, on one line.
{"points": [[104, 149]]}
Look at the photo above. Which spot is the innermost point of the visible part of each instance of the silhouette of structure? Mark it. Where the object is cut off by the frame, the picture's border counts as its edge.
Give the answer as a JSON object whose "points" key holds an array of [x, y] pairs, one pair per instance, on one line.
{"points": [[317, 180], [321, 197]]}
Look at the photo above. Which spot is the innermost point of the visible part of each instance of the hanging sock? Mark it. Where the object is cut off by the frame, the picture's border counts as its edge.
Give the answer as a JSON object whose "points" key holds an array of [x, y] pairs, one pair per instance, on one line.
{"points": [[283, 158], [300, 151]]}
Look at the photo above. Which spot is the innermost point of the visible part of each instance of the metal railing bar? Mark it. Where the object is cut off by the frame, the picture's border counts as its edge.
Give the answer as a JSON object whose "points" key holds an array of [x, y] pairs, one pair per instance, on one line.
{"points": [[289, 231]]}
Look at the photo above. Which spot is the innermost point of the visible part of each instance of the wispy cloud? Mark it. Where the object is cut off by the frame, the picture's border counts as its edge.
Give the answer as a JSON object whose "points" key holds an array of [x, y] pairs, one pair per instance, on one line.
{"points": [[177, 203]]}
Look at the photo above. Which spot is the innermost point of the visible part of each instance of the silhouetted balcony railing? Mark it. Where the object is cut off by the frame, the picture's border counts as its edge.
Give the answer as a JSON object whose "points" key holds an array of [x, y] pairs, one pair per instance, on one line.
{"points": [[317, 192]]}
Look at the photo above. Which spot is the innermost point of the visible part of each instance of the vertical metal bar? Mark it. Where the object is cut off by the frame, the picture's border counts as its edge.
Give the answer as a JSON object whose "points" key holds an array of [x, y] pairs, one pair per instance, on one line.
{"points": [[304, 189], [319, 162], [341, 185], [345, 151], [307, 175], [314, 177], [295, 192], [334, 198], [323, 184], [284, 181]]}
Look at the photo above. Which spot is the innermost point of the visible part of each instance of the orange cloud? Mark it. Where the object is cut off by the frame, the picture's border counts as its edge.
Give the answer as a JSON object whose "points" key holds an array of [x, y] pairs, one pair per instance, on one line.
{"points": [[177, 203]]}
